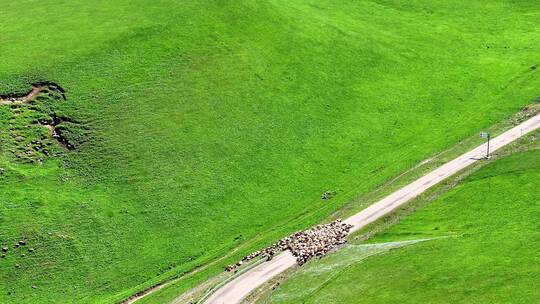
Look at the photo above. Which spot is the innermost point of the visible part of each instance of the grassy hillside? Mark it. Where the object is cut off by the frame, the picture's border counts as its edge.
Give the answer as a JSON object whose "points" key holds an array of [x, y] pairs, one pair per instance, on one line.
{"points": [[480, 245], [210, 125]]}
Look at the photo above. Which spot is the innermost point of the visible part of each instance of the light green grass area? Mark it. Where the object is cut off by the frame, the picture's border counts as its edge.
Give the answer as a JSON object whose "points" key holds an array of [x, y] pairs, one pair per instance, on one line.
{"points": [[213, 124], [318, 274], [488, 253]]}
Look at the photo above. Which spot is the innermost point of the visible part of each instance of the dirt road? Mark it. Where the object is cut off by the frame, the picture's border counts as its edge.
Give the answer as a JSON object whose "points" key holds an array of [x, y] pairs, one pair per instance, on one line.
{"points": [[234, 291]]}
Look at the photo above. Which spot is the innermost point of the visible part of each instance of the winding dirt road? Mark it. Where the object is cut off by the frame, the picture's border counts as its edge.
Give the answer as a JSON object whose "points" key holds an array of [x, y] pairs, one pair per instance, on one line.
{"points": [[234, 291]]}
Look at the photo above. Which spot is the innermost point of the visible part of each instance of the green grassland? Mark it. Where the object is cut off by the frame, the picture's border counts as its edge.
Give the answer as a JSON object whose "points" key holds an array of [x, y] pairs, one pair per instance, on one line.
{"points": [[480, 245], [213, 125]]}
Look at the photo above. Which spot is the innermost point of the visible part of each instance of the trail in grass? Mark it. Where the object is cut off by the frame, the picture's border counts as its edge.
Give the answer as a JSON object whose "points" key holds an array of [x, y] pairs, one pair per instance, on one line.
{"points": [[37, 89]]}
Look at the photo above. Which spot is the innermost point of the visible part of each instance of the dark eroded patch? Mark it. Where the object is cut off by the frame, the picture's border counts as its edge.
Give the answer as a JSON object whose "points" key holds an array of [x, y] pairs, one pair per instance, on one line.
{"points": [[31, 128]]}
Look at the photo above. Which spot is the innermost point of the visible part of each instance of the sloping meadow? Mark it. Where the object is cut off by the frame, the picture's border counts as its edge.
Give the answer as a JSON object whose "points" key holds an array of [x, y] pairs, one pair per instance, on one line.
{"points": [[210, 126]]}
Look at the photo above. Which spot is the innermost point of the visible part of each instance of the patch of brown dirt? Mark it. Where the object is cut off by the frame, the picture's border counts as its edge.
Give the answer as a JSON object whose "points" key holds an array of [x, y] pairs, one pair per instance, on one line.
{"points": [[37, 89]]}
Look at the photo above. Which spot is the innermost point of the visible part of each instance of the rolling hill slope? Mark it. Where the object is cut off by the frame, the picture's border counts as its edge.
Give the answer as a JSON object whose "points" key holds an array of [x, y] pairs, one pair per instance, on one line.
{"points": [[205, 124]]}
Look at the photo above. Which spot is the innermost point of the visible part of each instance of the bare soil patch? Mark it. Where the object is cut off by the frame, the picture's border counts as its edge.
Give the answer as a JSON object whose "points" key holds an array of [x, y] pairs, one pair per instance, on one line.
{"points": [[49, 88]]}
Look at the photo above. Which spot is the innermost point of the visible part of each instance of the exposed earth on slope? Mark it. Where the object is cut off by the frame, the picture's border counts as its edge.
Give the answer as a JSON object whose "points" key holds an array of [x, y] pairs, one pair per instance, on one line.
{"points": [[32, 123], [46, 88]]}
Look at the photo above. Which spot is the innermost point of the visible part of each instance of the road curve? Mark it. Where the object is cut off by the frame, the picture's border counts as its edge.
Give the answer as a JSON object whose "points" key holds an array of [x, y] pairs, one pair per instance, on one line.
{"points": [[237, 289]]}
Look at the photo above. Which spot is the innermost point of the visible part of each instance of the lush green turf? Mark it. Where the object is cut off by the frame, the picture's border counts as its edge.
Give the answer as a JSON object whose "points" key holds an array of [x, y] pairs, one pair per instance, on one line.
{"points": [[488, 253], [212, 123]]}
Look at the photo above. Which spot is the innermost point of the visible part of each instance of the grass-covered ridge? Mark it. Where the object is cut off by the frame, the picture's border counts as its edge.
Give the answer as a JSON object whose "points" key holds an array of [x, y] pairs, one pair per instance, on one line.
{"points": [[212, 122], [481, 244]]}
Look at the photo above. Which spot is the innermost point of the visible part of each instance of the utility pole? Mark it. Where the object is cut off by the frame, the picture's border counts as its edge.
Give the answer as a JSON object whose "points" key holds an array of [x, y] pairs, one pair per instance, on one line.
{"points": [[488, 136]]}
